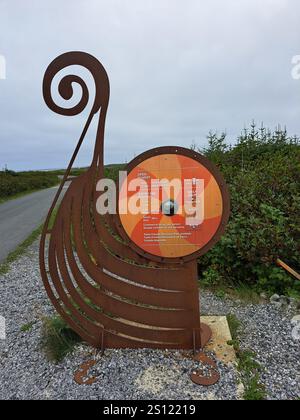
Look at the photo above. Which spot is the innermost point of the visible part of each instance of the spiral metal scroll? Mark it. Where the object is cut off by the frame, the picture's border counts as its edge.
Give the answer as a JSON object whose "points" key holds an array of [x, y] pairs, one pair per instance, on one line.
{"points": [[109, 294]]}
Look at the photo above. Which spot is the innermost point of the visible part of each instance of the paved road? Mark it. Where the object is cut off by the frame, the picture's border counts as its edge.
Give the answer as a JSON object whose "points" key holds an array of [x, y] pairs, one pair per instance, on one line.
{"points": [[18, 218]]}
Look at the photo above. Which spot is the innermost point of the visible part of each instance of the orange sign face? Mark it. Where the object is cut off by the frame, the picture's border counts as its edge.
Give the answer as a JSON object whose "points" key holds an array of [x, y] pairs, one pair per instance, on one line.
{"points": [[171, 205]]}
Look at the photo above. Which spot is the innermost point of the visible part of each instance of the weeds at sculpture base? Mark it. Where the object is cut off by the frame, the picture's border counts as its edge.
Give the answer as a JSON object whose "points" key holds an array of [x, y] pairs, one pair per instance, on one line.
{"points": [[58, 339], [250, 373], [248, 367]]}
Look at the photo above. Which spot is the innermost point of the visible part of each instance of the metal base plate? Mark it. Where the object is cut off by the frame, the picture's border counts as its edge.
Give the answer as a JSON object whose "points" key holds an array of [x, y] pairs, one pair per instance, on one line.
{"points": [[208, 375], [206, 335]]}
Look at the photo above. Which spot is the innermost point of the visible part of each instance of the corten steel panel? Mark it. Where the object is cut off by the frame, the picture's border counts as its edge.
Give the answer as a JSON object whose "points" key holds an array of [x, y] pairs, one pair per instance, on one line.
{"points": [[109, 292]]}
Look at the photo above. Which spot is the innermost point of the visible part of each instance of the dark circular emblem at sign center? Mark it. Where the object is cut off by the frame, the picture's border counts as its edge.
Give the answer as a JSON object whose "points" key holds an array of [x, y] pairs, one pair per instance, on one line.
{"points": [[169, 208]]}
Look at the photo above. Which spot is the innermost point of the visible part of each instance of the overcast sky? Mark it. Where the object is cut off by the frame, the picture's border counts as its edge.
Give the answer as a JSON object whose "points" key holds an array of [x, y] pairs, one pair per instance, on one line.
{"points": [[177, 70]]}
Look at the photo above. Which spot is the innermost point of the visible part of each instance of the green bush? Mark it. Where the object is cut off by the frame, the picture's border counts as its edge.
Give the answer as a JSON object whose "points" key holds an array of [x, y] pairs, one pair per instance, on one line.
{"points": [[263, 174], [112, 171], [12, 183]]}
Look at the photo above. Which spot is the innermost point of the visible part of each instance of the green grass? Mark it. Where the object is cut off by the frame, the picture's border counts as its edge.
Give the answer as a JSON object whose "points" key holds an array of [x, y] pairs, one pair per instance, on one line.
{"points": [[248, 367], [27, 327], [221, 294], [58, 339], [243, 292], [20, 250], [255, 391], [250, 370], [234, 326]]}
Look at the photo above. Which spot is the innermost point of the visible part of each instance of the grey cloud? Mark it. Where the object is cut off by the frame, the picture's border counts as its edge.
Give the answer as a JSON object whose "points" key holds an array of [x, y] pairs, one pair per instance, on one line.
{"points": [[177, 70]]}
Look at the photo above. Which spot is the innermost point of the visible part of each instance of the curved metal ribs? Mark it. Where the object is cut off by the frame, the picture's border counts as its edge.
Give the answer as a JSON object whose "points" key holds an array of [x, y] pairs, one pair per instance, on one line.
{"points": [[98, 284]]}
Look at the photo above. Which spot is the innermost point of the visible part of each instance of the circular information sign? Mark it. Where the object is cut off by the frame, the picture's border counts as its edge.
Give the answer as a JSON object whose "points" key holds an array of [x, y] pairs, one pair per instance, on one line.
{"points": [[173, 204]]}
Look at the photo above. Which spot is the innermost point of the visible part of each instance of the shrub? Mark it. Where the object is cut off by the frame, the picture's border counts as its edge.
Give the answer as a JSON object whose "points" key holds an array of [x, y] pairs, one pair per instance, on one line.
{"points": [[263, 174], [12, 183]]}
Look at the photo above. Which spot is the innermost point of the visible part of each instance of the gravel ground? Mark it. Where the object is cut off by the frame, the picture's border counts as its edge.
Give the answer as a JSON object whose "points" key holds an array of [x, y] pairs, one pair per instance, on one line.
{"points": [[25, 372]]}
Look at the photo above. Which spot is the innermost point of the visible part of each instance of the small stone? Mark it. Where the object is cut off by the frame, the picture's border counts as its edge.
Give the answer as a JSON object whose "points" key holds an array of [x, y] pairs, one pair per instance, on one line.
{"points": [[138, 374], [284, 300], [278, 305], [296, 333], [274, 298], [294, 304], [296, 320], [264, 296]]}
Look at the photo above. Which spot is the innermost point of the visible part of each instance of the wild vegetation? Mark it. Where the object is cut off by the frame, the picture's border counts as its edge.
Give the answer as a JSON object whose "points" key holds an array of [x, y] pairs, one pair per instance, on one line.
{"points": [[58, 338], [13, 183], [249, 369], [263, 174]]}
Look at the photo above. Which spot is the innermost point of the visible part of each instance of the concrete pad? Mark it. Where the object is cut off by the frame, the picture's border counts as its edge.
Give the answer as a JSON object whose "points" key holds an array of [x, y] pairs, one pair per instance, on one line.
{"points": [[220, 337]]}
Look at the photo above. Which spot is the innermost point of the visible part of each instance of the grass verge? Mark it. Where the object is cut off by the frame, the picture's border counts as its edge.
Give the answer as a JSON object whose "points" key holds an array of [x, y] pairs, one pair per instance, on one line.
{"points": [[242, 292], [58, 339], [20, 250], [248, 367], [27, 327]]}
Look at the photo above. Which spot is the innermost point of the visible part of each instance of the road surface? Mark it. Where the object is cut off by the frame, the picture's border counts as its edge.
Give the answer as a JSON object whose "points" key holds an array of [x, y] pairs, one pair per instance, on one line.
{"points": [[18, 218]]}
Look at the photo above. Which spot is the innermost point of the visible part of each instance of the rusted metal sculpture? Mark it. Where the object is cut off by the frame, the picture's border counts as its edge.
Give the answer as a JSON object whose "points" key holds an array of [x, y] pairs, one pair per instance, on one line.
{"points": [[110, 292]]}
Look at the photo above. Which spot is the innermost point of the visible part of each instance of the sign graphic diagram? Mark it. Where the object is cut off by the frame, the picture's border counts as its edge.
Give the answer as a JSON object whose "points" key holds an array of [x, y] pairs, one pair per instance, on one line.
{"points": [[171, 231]]}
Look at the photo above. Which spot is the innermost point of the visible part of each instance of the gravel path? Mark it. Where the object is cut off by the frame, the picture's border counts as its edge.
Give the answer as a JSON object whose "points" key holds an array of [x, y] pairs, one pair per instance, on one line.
{"points": [[25, 372]]}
